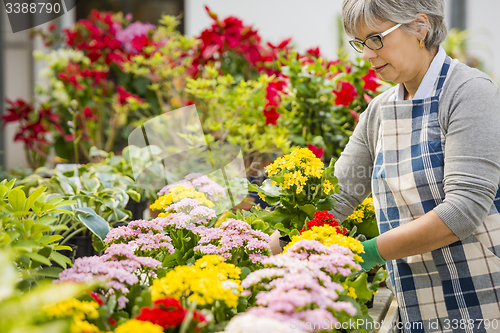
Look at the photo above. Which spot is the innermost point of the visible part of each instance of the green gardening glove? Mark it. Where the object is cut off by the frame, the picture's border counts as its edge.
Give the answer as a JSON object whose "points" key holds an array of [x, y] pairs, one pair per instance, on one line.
{"points": [[371, 257]]}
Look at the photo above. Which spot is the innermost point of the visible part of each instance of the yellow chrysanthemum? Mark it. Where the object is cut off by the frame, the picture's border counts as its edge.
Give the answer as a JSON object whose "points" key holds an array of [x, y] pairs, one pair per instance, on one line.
{"points": [[136, 326], [328, 235], [208, 280]]}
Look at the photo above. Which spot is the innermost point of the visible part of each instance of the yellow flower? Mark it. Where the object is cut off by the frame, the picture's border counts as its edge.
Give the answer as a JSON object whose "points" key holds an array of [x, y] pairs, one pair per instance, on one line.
{"points": [[350, 291], [162, 202], [207, 281], [327, 186], [136, 326], [79, 310], [368, 204], [262, 196], [328, 235]]}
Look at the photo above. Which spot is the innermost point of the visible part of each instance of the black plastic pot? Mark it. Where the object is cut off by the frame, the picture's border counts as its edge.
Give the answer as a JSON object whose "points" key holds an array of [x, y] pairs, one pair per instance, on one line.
{"points": [[370, 278], [137, 209], [284, 241], [84, 246]]}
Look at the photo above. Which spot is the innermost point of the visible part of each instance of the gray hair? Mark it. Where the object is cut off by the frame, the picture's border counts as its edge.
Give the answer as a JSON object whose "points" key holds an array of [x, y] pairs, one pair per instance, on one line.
{"points": [[374, 12]]}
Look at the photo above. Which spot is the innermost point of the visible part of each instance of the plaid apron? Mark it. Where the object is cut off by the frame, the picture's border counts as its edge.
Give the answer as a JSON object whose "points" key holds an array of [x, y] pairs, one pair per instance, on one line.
{"points": [[455, 288]]}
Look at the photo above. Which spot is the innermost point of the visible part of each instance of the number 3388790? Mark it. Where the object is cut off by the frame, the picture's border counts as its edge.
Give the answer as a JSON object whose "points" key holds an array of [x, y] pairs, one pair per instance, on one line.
{"points": [[32, 8]]}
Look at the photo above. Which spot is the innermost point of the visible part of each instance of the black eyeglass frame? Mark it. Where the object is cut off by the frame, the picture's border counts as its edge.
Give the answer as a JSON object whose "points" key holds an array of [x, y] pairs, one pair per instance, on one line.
{"points": [[354, 43]]}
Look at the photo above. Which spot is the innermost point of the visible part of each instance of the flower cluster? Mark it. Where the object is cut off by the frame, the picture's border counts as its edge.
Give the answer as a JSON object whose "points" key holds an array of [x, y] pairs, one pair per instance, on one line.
{"points": [[329, 236], [207, 281], [235, 241], [322, 218], [197, 181], [145, 237], [168, 313], [250, 323], [302, 284], [119, 267], [34, 126], [297, 168], [79, 311], [363, 219]]}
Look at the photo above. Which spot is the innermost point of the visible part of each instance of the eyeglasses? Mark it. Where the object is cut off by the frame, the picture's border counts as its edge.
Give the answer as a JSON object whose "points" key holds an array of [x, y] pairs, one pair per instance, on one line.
{"points": [[373, 42]]}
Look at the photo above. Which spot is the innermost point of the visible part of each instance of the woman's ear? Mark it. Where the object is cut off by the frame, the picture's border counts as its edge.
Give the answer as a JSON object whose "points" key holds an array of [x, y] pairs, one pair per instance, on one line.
{"points": [[422, 24]]}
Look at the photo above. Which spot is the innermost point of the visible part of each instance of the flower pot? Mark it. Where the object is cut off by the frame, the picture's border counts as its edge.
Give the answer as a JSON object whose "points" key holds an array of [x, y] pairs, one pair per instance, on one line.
{"points": [[284, 242], [369, 279], [84, 246], [137, 209]]}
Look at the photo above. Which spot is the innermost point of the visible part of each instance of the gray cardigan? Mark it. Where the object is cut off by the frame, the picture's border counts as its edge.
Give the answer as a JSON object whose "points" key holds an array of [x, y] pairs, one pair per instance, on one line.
{"points": [[469, 116]]}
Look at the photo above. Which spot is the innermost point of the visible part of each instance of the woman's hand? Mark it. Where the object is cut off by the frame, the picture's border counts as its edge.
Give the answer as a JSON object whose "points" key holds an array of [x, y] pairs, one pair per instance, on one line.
{"points": [[275, 243]]}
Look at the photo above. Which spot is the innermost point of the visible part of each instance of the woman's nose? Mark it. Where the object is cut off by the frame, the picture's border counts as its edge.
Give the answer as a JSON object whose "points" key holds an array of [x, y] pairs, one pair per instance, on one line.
{"points": [[368, 53]]}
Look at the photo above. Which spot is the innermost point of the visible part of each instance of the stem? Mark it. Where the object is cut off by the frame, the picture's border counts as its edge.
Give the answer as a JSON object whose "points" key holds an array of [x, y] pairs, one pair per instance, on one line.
{"points": [[111, 137], [72, 234]]}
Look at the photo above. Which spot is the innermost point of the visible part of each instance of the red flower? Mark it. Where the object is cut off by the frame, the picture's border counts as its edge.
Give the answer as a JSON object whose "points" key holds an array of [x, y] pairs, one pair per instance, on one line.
{"points": [[140, 42], [346, 94], [168, 313], [316, 151], [271, 116], [322, 218], [52, 27], [89, 113], [371, 80], [97, 298], [314, 52], [123, 95]]}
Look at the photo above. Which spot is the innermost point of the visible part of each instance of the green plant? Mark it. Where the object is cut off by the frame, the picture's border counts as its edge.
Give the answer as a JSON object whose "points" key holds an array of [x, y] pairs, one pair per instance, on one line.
{"points": [[298, 186], [100, 194], [232, 111], [20, 311], [363, 221], [28, 226], [323, 100]]}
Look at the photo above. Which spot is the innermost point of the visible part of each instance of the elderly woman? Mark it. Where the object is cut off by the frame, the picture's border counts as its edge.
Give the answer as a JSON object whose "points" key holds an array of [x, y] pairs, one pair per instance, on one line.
{"points": [[432, 148]]}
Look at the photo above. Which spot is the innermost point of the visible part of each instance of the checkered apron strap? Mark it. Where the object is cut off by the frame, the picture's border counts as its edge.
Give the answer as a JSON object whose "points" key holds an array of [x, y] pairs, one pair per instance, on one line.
{"points": [[434, 290]]}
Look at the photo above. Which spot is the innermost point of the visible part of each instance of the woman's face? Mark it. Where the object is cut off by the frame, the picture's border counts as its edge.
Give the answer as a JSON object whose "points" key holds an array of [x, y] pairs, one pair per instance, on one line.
{"points": [[400, 59]]}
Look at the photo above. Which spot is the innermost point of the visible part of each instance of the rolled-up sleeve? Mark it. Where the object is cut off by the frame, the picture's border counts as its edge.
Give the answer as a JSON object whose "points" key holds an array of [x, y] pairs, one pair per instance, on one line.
{"points": [[471, 156]]}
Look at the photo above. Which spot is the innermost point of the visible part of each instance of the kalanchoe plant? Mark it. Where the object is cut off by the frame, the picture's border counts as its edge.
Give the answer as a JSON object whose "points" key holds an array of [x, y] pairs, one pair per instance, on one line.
{"points": [[298, 186]]}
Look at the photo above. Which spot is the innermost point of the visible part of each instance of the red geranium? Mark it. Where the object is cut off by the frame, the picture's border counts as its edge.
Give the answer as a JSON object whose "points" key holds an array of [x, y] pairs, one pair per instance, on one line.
{"points": [[346, 94]]}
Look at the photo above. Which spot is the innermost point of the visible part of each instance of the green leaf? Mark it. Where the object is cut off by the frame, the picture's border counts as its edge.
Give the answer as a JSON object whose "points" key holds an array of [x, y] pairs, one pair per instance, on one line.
{"points": [[326, 204], [46, 220], [17, 199], [244, 272], [96, 224], [91, 184], [51, 272], [98, 244], [60, 259], [34, 197], [94, 151], [134, 195], [38, 257], [361, 287], [308, 209]]}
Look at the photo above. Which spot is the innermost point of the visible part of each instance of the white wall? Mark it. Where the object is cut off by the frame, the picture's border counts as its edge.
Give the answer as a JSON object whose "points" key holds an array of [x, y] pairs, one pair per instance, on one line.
{"points": [[484, 22], [312, 23]]}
